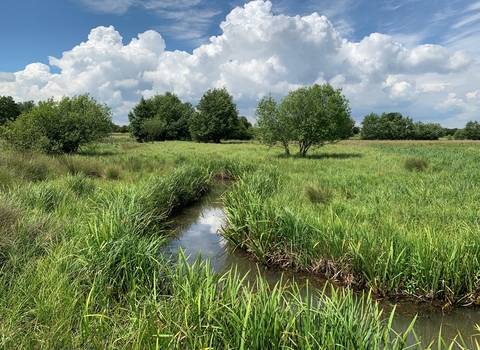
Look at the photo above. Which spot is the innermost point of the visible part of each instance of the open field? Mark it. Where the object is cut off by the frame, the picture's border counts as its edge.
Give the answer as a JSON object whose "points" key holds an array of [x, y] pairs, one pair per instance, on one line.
{"points": [[81, 238]]}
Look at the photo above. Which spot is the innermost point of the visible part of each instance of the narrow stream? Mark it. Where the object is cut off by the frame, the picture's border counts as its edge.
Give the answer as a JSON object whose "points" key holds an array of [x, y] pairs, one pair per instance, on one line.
{"points": [[197, 233]]}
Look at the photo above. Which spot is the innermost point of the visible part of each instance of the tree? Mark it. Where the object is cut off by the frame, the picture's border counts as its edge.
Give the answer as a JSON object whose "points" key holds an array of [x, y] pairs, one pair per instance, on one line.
{"points": [[429, 131], [388, 126], [217, 117], [9, 110], [160, 118], [60, 127], [472, 130], [242, 130], [311, 116], [26, 106], [139, 114], [271, 127]]}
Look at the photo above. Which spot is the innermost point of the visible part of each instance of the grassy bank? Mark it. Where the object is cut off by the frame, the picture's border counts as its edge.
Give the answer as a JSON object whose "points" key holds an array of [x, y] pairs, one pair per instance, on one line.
{"points": [[392, 217], [81, 239]]}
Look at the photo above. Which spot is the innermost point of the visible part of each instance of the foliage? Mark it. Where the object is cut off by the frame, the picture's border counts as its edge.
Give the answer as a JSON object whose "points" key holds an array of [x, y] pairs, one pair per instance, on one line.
{"points": [[243, 130], [311, 116], [217, 117], [429, 131], [160, 118], [26, 106], [60, 127], [121, 129], [471, 131], [9, 110], [271, 128], [388, 126], [393, 126]]}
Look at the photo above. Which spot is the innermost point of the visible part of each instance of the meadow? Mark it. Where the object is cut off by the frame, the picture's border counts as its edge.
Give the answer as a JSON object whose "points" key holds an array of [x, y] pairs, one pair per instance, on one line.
{"points": [[81, 236]]}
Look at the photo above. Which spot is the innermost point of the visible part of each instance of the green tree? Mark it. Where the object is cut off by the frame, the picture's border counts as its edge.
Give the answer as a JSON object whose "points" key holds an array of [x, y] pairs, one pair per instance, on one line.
{"points": [[271, 127], [472, 130], [139, 114], [429, 131], [310, 116], [217, 117], [160, 118], [243, 130], [26, 106], [9, 110], [388, 126], [60, 127]]}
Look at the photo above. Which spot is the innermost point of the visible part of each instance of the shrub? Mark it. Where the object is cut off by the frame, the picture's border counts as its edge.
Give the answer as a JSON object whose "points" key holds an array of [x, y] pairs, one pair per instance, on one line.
{"points": [[415, 164], [59, 127]]}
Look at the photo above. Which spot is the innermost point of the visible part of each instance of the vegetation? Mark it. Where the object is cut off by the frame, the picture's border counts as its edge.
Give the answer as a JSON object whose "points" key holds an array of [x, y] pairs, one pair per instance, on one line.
{"points": [[393, 126], [9, 110], [83, 233], [160, 118], [310, 116], [217, 117], [470, 132], [377, 216], [59, 127]]}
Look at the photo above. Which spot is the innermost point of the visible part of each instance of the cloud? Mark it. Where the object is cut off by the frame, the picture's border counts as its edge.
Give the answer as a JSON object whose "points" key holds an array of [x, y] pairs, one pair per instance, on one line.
{"points": [[257, 53], [7, 77]]}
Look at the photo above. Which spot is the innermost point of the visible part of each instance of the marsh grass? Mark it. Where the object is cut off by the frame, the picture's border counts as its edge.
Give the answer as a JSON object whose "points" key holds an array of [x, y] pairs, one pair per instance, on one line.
{"points": [[113, 172], [415, 164], [75, 165], [82, 264], [319, 195]]}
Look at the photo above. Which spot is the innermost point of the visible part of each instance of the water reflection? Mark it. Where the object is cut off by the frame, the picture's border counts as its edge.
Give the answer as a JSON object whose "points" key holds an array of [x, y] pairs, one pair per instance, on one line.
{"points": [[197, 232]]}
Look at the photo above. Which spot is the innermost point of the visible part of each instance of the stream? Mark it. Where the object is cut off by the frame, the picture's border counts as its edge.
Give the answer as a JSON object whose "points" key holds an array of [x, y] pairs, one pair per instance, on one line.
{"points": [[197, 228]]}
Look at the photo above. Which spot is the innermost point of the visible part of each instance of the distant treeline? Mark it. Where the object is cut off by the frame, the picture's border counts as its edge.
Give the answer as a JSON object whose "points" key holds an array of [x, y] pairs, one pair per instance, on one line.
{"points": [[393, 126]]}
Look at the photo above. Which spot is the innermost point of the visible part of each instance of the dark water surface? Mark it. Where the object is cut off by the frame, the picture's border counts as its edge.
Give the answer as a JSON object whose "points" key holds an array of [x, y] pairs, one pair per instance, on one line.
{"points": [[197, 232]]}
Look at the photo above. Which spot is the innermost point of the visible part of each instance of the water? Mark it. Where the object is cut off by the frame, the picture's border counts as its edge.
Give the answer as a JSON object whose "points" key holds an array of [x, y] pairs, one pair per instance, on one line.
{"points": [[198, 233]]}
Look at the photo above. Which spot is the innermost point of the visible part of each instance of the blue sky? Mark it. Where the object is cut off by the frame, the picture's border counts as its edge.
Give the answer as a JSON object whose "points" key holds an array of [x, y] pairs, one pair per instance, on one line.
{"points": [[417, 57]]}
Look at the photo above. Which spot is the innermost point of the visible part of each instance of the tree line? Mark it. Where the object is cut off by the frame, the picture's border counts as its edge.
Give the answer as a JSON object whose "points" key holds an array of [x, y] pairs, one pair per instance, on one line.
{"points": [[306, 117]]}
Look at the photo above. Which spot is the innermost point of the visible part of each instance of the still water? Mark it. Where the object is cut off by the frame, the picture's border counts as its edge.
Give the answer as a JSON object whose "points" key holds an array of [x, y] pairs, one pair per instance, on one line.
{"points": [[197, 232]]}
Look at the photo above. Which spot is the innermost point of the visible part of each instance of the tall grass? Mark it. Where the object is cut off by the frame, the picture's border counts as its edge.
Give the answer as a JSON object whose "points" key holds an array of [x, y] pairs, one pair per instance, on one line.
{"points": [[81, 263], [381, 226]]}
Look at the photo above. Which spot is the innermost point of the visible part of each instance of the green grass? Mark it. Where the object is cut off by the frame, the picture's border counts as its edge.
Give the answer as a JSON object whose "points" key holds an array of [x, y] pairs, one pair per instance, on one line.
{"points": [[81, 240]]}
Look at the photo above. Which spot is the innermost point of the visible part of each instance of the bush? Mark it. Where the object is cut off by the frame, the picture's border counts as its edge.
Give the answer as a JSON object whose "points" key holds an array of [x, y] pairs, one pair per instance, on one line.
{"points": [[415, 164], [59, 127]]}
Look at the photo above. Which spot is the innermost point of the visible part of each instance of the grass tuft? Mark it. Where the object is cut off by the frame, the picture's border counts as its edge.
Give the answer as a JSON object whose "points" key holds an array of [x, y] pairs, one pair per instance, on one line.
{"points": [[319, 195], [415, 164], [113, 172]]}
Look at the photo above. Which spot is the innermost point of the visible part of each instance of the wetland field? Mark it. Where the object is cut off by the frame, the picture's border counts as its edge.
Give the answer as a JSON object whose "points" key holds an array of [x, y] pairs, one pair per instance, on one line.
{"points": [[83, 262]]}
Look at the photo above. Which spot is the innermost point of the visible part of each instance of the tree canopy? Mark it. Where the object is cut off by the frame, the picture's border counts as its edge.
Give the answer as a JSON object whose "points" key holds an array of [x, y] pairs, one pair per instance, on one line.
{"points": [[9, 110], [217, 117], [471, 131], [60, 127], [393, 126], [160, 118], [310, 116]]}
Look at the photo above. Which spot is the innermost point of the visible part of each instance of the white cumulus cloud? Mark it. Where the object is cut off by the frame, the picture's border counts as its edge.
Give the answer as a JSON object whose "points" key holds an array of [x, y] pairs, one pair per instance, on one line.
{"points": [[258, 53]]}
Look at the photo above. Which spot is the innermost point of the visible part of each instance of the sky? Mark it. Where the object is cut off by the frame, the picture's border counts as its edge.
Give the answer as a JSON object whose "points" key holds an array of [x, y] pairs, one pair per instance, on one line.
{"points": [[417, 57]]}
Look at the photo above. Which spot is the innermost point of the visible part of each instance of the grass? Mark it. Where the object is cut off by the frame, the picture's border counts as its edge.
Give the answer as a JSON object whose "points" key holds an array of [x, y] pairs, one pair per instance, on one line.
{"points": [[380, 227], [82, 235]]}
